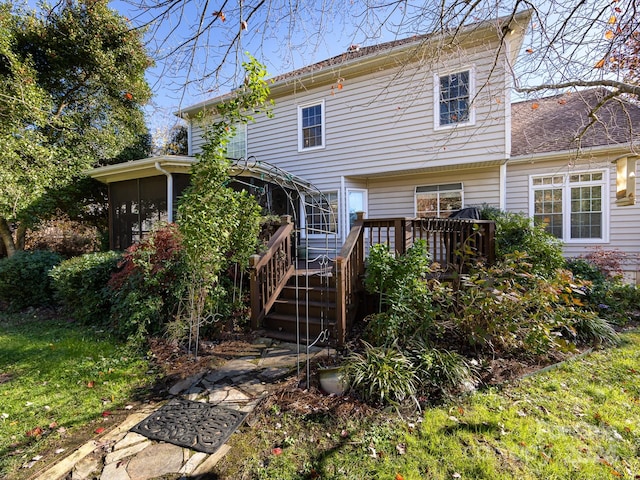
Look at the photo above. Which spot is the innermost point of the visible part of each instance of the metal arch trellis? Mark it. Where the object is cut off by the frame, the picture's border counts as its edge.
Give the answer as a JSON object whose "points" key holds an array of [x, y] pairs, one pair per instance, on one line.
{"points": [[316, 234]]}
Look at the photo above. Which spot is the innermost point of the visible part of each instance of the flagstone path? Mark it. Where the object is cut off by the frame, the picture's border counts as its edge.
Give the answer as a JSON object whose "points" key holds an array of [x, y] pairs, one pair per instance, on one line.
{"points": [[239, 384]]}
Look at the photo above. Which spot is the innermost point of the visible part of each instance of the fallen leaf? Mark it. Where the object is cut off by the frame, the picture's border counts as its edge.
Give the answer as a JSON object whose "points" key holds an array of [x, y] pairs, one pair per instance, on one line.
{"points": [[534, 106], [90, 384], [35, 432], [276, 451], [399, 477], [99, 430], [106, 413], [374, 453], [53, 425]]}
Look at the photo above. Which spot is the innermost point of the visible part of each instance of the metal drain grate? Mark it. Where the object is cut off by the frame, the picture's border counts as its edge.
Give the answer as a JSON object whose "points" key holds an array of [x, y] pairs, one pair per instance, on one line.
{"points": [[195, 425]]}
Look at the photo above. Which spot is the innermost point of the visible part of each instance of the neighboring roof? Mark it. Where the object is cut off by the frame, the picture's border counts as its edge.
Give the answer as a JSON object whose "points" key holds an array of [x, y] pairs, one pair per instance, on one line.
{"points": [[559, 123], [360, 60]]}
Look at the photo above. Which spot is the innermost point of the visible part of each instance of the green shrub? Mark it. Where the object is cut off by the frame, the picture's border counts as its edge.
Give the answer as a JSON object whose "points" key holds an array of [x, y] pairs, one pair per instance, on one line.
{"points": [[149, 286], [516, 232], [386, 272], [381, 374], [505, 309], [80, 285], [590, 329], [24, 279], [441, 371]]}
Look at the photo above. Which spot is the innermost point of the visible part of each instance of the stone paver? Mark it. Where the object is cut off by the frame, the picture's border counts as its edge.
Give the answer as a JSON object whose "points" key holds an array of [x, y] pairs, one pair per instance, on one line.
{"points": [[193, 463], [115, 471], [129, 439], [155, 461], [84, 469], [241, 383], [126, 452]]}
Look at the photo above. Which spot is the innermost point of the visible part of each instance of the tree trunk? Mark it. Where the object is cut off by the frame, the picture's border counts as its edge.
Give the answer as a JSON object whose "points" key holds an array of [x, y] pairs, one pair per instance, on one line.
{"points": [[21, 234], [7, 238]]}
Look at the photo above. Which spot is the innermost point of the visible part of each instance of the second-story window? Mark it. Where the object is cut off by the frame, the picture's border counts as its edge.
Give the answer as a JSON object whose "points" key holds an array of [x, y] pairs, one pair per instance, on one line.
{"points": [[311, 126], [237, 146], [453, 94]]}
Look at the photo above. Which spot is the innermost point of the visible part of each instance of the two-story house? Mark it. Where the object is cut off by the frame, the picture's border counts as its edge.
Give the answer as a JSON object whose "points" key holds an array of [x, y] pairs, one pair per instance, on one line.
{"points": [[417, 127]]}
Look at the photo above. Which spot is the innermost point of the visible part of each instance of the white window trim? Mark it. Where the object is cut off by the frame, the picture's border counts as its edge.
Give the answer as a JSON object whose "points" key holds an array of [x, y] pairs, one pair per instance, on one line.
{"points": [[303, 217], [246, 135], [324, 127], [415, 195], [436, 98], [566, 204]]}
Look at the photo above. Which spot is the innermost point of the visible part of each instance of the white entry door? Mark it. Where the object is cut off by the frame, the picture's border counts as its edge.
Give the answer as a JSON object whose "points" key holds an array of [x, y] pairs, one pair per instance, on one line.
{"points": [[356, 202]]}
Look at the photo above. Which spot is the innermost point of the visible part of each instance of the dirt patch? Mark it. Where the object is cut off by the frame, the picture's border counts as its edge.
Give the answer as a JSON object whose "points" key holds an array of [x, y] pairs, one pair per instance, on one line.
{"points": [[6, 377]]}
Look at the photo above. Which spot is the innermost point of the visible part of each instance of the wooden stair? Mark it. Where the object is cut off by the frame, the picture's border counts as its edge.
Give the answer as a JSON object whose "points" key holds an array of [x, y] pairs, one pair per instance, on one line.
{"points": [[311, 296]]}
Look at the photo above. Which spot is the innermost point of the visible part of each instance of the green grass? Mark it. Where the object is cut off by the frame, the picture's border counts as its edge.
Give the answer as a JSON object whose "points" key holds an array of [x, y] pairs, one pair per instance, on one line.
{"points": [[56, 377], [578, 421]]}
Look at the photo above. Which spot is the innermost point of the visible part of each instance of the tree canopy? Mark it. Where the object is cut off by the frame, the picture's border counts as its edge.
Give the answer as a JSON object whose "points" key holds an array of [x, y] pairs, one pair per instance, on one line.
{"points": [[568, 43], [73, 85]]}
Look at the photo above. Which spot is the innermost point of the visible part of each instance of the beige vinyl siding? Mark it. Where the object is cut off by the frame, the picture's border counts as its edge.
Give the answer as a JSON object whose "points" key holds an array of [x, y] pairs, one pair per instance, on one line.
{"points": [[396, 197], [623, 221], [383, 122]]}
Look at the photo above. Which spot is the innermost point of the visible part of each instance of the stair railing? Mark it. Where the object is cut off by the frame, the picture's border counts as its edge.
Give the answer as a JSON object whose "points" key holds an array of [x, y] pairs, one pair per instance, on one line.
{"points": [[270, 271], [349, 270]]}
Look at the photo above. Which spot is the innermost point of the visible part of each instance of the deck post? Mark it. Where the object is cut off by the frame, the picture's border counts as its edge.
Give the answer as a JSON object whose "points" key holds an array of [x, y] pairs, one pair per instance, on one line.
{"points": [[254, 289], [341, 301], [399, 237]]}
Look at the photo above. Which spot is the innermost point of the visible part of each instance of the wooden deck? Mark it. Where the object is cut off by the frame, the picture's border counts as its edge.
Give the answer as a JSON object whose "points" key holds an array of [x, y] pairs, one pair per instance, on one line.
{"points": [[292, 297]]}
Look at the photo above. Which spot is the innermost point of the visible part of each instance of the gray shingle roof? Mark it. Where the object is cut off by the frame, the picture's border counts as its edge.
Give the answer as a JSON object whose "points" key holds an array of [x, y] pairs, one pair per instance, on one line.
{"points": [[558, 123]]}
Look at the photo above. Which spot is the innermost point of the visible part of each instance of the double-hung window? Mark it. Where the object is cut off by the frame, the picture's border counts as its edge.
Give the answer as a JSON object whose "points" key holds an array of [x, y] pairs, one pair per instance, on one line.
{"points": [[237, 146], [572, 206], [454, 93], [438, 200], [321, 213], [311, 126]]}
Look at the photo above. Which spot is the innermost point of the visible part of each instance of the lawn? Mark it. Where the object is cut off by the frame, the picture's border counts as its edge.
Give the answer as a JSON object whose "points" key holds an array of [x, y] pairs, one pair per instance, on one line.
{"points": [[578, 421], [56, 378]]}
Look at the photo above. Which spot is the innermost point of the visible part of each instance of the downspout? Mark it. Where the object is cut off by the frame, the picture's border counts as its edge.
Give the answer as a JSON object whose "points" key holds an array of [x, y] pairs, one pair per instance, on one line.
{"points": [[503, 186], [169, 192]]}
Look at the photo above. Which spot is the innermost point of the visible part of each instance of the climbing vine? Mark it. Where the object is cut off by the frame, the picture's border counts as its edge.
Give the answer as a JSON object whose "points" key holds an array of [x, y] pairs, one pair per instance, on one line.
{"points": [[219, 224]]}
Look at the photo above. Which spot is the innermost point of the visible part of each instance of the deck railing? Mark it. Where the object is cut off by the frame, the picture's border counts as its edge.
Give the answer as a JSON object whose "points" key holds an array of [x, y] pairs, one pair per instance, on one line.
{"points": [[452, 243], [349, 269], [270, 271]]}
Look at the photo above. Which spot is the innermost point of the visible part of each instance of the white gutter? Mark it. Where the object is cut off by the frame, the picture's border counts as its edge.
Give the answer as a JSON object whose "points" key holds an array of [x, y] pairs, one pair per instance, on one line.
{"points": [[169, 191], [562, 154]]}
